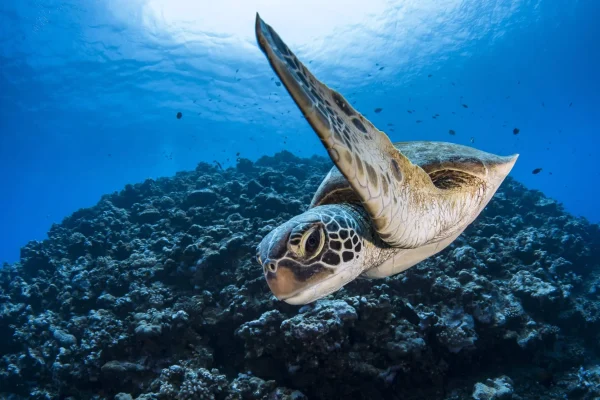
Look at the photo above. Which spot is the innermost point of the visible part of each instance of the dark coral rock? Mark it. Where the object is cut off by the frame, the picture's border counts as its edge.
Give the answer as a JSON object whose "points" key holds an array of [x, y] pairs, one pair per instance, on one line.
{"points": [[154, 293], [202, 197], [253, 188], [244, 165], [35, 257], [496, 389]]}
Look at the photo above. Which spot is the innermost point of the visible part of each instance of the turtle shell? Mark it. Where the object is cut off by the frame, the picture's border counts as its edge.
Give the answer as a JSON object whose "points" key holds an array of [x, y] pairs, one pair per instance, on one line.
{"points": [[447, 164]]}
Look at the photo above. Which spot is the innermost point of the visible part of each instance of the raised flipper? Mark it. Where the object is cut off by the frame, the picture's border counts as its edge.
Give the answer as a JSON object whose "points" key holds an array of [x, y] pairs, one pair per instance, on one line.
{"points": [[406, 208]]}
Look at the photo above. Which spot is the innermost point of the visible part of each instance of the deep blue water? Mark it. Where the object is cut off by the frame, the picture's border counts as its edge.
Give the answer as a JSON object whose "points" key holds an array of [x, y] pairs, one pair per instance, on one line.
{"points": [[89, 93]]}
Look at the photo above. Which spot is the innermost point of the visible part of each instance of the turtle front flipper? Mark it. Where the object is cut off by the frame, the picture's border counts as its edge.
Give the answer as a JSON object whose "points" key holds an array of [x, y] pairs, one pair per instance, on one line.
{"points": [[407, 210]]}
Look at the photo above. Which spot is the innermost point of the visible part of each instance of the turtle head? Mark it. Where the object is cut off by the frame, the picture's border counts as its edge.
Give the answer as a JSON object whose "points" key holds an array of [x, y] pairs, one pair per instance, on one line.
{"points": [[313, 254]]}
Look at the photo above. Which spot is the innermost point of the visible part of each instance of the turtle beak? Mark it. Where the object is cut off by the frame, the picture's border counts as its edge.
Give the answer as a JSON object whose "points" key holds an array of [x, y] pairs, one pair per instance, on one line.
{"points": [[280, 278], [281, 281]]}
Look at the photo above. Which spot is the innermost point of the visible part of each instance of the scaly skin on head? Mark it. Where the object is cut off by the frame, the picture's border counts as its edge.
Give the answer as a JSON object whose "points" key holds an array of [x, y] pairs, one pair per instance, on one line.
{"points": [[316, 253]]}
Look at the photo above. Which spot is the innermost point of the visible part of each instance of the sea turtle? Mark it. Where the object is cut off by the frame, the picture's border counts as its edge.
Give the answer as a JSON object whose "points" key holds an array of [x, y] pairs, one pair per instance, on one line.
{"points": [[382, 208]]}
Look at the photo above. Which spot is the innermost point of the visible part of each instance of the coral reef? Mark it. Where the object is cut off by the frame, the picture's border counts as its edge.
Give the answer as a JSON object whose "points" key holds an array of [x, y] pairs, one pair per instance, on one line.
{"points": [[154, 293]]}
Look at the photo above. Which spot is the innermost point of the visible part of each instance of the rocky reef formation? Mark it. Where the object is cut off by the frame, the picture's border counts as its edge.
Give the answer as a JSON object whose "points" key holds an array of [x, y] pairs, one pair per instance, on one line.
{"points": [[154, 293]]}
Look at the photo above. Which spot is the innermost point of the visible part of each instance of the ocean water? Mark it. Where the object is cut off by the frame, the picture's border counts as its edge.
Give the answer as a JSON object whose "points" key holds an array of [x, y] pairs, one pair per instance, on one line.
{"points": [[153, 145], [89, 93]]}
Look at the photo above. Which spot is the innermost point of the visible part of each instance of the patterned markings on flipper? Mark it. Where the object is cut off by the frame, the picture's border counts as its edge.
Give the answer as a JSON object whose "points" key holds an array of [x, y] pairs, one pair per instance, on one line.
{"points": [[364, 154], [407, 209]]}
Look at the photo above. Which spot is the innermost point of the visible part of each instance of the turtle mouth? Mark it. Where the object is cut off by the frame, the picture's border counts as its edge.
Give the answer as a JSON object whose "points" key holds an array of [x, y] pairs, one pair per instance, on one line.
{"points": [[296, 299], [316, 291], [300, 296], [311, 292], [307, 296]]}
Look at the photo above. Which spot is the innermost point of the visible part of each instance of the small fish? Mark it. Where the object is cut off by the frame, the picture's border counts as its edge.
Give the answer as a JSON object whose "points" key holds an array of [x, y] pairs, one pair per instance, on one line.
{"points": [[429, 76], [409, 111], [380, 68], [278, 83], [453, 84], [179, 115], [516, 131], [419, 121], [570, 104], [218, 164], [237, 154], [536, 171], [472, 140], [452, 132], [465, 106], [378, 110]]}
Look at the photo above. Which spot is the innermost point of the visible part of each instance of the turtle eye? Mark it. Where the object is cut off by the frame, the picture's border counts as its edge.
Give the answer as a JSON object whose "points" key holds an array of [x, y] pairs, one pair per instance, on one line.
{"points": [[312, 242]]}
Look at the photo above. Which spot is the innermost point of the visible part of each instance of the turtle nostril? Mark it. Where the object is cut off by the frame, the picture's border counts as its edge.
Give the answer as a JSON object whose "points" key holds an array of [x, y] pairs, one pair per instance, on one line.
{"points": [[271, 267]]}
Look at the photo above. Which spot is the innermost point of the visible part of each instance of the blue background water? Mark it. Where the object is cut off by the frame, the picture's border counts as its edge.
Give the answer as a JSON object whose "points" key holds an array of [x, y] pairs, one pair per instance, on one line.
{"points": [[89, 94]]}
